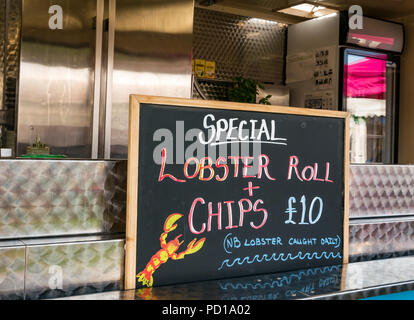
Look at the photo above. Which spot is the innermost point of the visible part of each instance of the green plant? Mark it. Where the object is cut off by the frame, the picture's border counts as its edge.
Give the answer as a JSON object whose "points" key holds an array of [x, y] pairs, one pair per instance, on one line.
{"points": [[246, 90]]}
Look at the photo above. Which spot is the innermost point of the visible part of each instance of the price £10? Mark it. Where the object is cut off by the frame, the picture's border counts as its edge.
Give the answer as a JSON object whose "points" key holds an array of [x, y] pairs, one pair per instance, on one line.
{"points": [[307, 216]]}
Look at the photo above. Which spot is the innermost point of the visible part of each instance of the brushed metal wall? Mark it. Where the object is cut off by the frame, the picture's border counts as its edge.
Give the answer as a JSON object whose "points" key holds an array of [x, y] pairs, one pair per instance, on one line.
{"points": [[56, 77], [152, 56], [75, 82]]}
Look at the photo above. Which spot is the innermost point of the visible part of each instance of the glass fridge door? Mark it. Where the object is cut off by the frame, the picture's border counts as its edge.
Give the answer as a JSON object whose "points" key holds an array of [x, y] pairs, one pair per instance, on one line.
{"points": [[369, 95]]}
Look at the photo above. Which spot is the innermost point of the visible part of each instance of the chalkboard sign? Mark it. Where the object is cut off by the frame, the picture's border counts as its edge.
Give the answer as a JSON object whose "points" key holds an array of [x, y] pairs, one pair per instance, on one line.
{"points": [[219, 190]]}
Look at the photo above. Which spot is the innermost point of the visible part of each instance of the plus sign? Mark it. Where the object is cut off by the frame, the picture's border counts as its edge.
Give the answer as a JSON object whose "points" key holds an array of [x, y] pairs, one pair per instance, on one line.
{"points": [[250, 188]]}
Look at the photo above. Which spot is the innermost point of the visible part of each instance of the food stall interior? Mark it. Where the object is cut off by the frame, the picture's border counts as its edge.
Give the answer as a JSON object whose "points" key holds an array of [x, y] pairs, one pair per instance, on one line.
{"points": [[66, 72]]}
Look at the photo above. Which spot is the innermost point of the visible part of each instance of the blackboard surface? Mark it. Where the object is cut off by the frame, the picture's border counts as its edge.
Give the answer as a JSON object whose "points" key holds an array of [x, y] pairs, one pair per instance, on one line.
{"points": [[274, 201]]}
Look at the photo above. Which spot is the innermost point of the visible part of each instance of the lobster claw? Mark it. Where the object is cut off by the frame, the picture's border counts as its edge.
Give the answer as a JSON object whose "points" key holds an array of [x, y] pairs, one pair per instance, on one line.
{"points": [[169, 224], [193, 247]]}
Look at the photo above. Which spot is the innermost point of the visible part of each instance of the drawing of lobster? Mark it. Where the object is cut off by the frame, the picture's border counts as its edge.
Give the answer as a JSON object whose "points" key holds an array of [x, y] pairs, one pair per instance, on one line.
{"points": [[168, 250]]}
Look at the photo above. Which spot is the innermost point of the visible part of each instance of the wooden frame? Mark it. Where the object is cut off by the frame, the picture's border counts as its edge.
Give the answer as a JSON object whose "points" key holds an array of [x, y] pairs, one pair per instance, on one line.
{"points": [[133, 162]]}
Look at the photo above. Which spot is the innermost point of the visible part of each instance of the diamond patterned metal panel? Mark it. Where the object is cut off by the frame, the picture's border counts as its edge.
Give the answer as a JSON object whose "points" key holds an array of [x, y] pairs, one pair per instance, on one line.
{"points": [[378, 190], [48, 198], [85, 267], [12, 265], [241, 46], [381, 240], [213, 90]]}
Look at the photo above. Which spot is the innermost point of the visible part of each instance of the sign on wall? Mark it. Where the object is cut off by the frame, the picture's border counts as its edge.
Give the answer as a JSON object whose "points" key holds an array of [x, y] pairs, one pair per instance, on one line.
{"points": [[219, 190]]}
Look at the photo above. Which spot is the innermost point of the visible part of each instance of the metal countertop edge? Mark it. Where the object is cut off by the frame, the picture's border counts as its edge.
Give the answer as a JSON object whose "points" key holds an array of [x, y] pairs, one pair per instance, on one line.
{"points": [[395, 288]]}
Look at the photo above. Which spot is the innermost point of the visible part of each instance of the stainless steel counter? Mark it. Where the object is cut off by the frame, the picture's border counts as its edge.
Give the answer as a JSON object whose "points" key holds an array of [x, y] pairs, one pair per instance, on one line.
{"points": [[354, 281]]}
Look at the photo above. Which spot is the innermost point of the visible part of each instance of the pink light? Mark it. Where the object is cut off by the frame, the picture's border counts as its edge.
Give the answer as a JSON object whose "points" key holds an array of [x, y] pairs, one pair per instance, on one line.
{"points": [[366, 79]]}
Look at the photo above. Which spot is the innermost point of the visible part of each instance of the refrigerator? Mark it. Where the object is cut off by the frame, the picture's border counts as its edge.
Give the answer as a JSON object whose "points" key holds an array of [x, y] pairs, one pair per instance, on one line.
{"points": [[330, 66]]}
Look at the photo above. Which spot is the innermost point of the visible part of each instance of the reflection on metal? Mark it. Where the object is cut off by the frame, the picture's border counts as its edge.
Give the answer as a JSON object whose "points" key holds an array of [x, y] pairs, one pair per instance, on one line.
{"points": [[56, 77], [298, 284], [56, 198], [73, 266], [38, 148], [378, 274], [348, 282], [381, 190], [372, 240], [12, 270], [153, 45]]}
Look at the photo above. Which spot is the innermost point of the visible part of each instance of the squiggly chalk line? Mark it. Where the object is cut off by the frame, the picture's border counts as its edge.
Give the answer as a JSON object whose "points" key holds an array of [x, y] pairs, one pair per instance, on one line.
{"points": [[281, 256], [285, 280]]}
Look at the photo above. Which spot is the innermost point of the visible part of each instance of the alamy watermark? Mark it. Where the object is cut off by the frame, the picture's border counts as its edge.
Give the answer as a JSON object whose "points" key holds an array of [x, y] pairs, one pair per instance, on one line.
{"points": [[220, 141], [56, 19], [56, 278], [356, 18]]}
